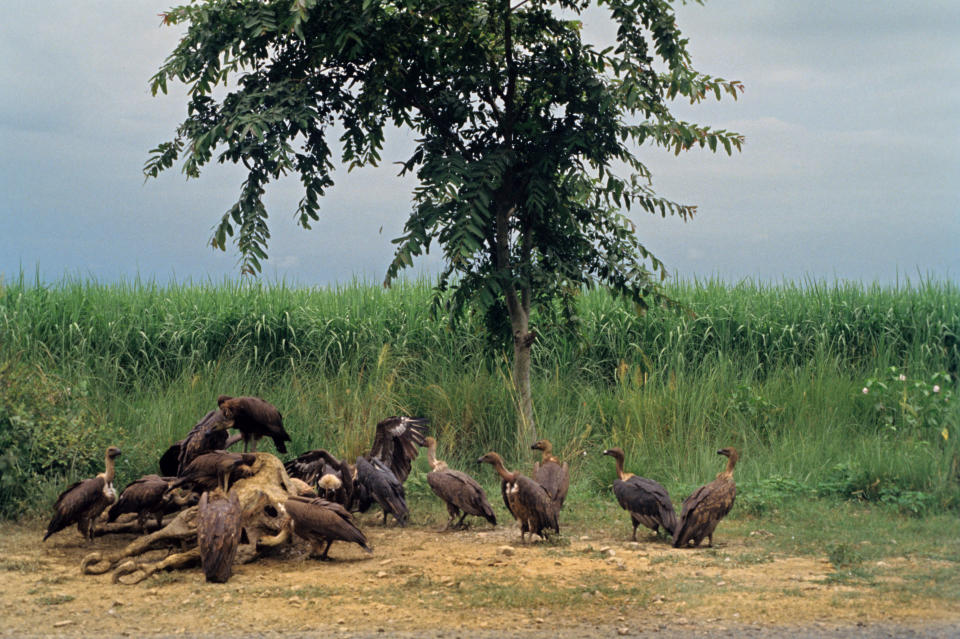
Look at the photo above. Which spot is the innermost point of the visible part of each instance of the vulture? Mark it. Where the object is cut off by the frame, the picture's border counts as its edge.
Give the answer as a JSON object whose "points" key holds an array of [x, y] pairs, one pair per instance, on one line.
{"points": [[207, 435], [330, 477], [646, 500], [82, 502], [148, 496], [254, 418], [527, 500], [218, 526], [319, 521], [548, 472], [458, 490], [376, 482], [703, 510], [203, 472]]}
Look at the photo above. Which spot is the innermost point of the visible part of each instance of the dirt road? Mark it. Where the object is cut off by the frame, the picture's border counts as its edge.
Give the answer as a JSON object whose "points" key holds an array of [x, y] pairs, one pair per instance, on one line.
{"points": [[476, 583]]}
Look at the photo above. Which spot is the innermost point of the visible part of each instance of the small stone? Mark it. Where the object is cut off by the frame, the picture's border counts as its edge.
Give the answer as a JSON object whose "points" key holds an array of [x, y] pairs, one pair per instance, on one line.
{"points": [[538, 620], [61, 624], [381, 574], [385, 562], [507, 551], [340, 622], [623, 631], [721, 583]]}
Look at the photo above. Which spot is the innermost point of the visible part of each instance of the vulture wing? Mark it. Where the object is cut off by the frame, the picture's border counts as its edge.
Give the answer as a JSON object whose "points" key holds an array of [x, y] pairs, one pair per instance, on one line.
{"points": [[537, 504], [555, 479], [73, 502], [397, 443], [702, 510], [463, 491], [384, 487], [648, 500], [218, 534], [144, 494]]}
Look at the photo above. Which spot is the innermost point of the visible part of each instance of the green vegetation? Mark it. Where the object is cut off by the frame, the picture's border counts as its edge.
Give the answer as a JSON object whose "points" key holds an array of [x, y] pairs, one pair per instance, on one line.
{"points": [[777, 371]]}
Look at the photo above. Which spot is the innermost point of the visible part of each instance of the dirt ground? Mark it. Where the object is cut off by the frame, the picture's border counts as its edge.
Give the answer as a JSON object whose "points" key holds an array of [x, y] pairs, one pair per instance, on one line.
{"points": [[478, 582]]}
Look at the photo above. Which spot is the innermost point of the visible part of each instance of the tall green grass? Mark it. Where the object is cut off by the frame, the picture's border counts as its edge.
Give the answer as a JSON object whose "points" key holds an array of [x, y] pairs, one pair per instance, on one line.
{"points": [[773, 370]]}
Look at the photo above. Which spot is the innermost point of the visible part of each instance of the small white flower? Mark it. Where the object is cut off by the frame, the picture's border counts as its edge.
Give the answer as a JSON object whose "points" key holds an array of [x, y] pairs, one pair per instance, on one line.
{"points": [[936, 389], [865, 390], [902, 377]]}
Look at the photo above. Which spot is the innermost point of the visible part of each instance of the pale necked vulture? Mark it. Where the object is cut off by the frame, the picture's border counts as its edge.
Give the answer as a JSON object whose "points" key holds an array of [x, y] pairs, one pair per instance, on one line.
{"points": [[254, 418], [332, 478], [549, 473], [527, 500], [646, 500], [203, 472], [458, 490], [320, 521], [83, 501], [703, 510], [219, 526], [376, 482], [207, 435], [148, 496]]}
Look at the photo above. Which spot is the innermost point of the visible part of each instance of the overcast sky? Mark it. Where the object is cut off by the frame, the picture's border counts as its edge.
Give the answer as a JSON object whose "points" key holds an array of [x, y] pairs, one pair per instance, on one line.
{"points": [[851, 168]]}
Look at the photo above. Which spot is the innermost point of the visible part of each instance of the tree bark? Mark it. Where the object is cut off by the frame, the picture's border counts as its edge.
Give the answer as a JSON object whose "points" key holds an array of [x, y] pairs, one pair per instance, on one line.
{"points": [[522, 343]]}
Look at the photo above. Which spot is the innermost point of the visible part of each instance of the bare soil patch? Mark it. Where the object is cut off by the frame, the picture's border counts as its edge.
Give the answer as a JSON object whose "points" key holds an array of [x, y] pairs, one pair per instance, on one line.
{"points": [[475, 582]]}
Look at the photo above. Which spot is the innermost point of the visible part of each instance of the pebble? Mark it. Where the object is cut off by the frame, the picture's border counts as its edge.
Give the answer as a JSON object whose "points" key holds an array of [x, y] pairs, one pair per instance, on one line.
{"points": [[63, 623], [623, 631], [507, 551]]}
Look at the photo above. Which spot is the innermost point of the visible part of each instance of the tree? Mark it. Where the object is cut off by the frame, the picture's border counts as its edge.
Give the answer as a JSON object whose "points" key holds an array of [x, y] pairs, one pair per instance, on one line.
{"points": [[527, 134]]}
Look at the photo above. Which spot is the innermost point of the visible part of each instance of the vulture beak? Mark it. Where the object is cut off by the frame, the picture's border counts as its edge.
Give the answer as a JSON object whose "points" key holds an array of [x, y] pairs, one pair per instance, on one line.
{"points": [[723, 451]]}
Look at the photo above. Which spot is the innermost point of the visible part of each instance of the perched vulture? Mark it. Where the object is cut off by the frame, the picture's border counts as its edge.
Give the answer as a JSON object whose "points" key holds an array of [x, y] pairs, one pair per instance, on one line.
{"points": [[207, 435], [330, 477], [203, 472], [148, 496], [397, 443], [376, 482], [254, 418], [319, 521], [218, 527], [703, 510], [646, 500], [458, 490], [548, 472], [82, 502], [527, 500]]}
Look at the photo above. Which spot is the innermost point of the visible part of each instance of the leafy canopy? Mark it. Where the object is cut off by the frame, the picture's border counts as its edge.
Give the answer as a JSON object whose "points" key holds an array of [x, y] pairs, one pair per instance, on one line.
{"points": [[527, 133]]}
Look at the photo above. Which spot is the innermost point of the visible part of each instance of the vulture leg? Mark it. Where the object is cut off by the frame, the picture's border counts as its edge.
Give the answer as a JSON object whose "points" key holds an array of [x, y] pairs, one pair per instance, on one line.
{"points": [[324, 556], [460, 523], [636, 524], [130, 572]]}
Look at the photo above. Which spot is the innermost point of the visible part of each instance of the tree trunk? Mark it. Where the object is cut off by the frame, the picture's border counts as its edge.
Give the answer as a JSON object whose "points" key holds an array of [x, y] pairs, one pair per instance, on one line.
{"points": [[522, 343]]}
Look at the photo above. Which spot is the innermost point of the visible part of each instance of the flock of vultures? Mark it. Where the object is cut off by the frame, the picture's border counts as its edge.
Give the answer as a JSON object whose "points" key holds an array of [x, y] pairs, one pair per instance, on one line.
{"points": [[198, 470]]}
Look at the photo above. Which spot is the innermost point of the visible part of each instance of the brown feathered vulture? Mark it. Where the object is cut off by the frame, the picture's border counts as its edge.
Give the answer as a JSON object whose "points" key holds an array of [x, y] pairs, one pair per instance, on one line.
{"points": [[320, 521], [203, 472], [207, 435], [703, 510], [551, 474], [457, 489], [332, 478], [645, 499], [254, 418], [82, 502], [527, 501], [375, 482], [148, 496], [219, 527]]}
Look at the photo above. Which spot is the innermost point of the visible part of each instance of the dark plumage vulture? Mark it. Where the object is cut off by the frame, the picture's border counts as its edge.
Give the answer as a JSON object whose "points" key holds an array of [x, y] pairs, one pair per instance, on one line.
{"points": [[646, 500], [254, 418], [203, 472], [332, 478], [458, 490], [549, 473], [397, 443], [218, 527], [703, 510], [527, 500], [376, 482], [207, 435], [148, 496], [320, 521], [82, 502]]}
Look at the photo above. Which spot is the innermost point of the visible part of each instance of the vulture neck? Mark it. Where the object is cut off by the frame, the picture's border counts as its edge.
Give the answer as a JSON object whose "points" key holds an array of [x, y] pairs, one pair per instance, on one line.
{"points": [[432, 457], [547, 455], [505, 474], [109, 471], [624, 476], [727, 472]]}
